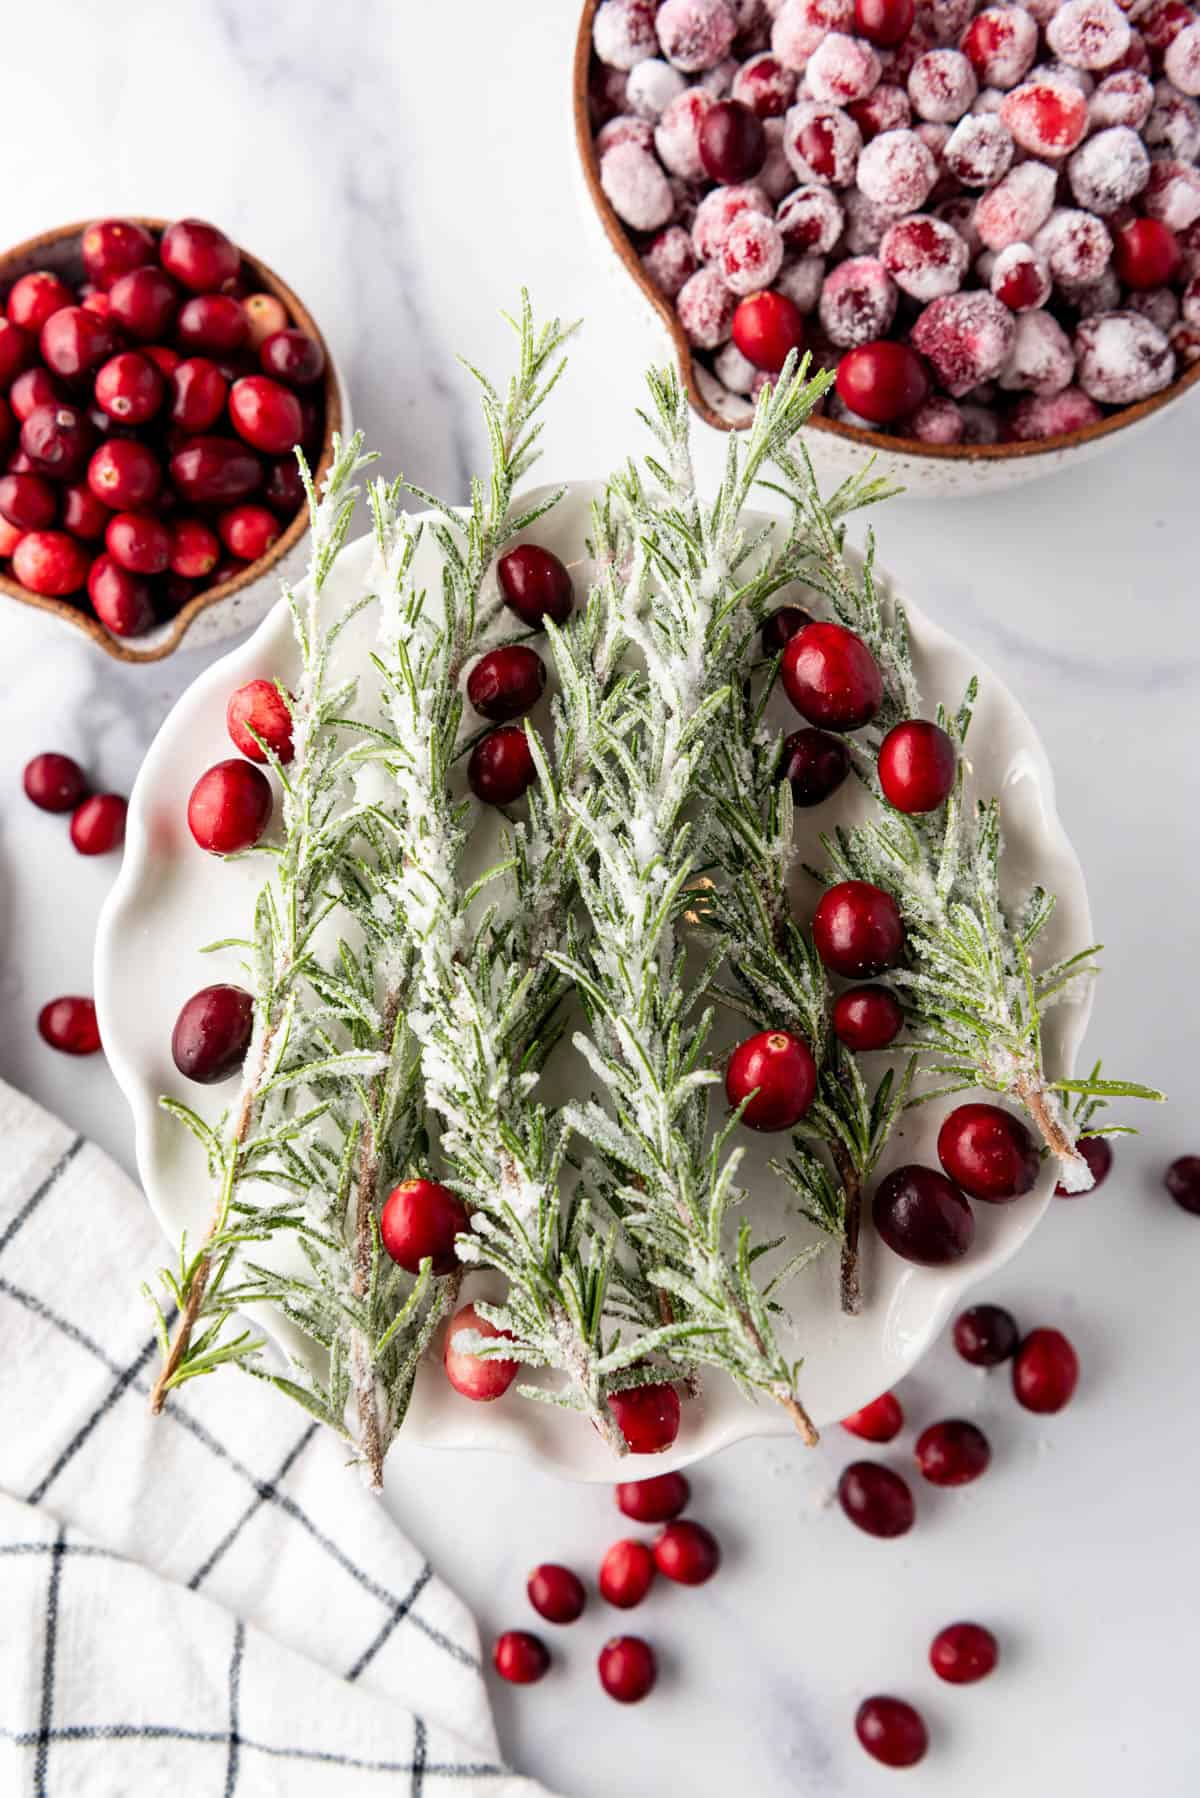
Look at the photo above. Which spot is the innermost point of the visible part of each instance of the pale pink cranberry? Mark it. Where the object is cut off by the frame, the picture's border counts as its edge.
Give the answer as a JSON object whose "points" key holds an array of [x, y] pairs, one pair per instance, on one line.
{"points": [[625, 129], [810, 220], [265, 315], [1181, 64], [1093, 301], [1108, 169], [967, 338], [801, 26], [1161, 307], [865, 224], [1172, 194], [1001, 43], [897, 171], [1041, 359], [481, 1378], [1020, 277], [765, 86], [1052, 415], [651, 87], [841, 69], [1174, 124], [801, 281], [980, 150], [696, 34], [939, 420], [858, 302], [1048, 116], [1122, 357], [734, 370], [637, 188], [1089, 34], [886, 108], [1076, 246], [987, 101], [670, 260], [623, 32], [718, 210], [822, 143], [1017, 206], [959, 213], [677, 135], [752, 253], [706, 306], [980, 424], [1126, 98], [942, 86], [924, 257]]}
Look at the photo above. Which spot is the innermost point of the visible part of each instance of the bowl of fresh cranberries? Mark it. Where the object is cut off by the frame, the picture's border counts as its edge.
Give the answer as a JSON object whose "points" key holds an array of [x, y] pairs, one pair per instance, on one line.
{"points": [[983, 218], [154, 382]]}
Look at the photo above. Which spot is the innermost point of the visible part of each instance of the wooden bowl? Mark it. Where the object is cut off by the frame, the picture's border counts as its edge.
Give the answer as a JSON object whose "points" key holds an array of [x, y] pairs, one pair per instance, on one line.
{"points": [[60, 251], [931, 469]]}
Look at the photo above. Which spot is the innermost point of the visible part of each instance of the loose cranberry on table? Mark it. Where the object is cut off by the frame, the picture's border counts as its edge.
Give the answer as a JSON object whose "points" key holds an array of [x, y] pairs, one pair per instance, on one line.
{"points": [[69, 1025], [535, 584], [891, 1731], [655, 1500], [627, 1668], [781, 626], [212, 1033], [882, 381], [917, 766], [1045, 1371], [814, 764], [857, 930], [556, 1593], [230, 807], [54, 783], [875, 1499], [767, 327], [120, 600], [481, 1378], [777, 1067], [520, 1658], [922, 1216], [50, 563], [501, 766], [963, 1653], [419, 1221], [952, 1453], [867, 1017], [260, 707], [831, 677], [506, 683], [647, 1416], [986, 1335], [98, 824], [988, 1152], [1097, 1152], [266, 414], [880, 1421], [687, 1553], [1182, 1181], [626, 1574]]}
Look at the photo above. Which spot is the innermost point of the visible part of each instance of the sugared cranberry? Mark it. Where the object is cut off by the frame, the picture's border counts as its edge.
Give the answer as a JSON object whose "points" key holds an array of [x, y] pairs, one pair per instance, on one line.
{"points": [[857, 930], [212, 1033], [294, 357], [194, 553], [777, 1067], [876, 1499], [884, 22], [34, 297], [248, 531], [98, 824], [501, 766], [198, 393], [139, 542], [882, 381], [733, 144], [952, 1453], [506, 683], [687, 1553], [130, 388], [199, 256], [917, 766], [1097, 1152], [647, 1416], [259, 706], [556, 1593], [284, 489], [50, 563], [922, 1217], [867, 1017], [36, 387], [17, 350], [814, 764], [1146, 253], [480, 1378], [986, 1335], [215, 471], [891, 1731], [627, 1668], [535, 585], [213, 323], [781, 626], [520, 1658], [27, 501], [69, 1025], [831, 677], [626, 1574], [144, 303], [122, 602], [230, 807], [54, 783], [1182, 1181], [988, 1152], [963, 1652], [265, 414], [74, 342], [1045, 1371], [111, 248], [57, 439], [655, 1500], [124, 474], [82, 513], [767, 327], [420, 1220], [880, 1421], [264, 316]]}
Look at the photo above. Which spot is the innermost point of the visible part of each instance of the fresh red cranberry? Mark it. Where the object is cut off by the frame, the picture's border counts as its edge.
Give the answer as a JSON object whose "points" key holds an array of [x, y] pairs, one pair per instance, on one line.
{"points": [[284, 489], [891, 1731], [194, 553], [814, 764], [1045, 1371], [143, 303], [293, 357], [884, 22], [130, 388], [647, 1416], [778, 1068], [501, 767], [626, 1574], [230, 807], [122, 602], [215, 471], [556, 1593], [867, 1017], [767, 327], [506, 683], [198, 394], [34, 297], [952, 1453], [481, 1378], [1182, 1181], [139, 542], [922, 1216], [1097, 1152], [54, 783], [311, 418], [212, 1034], [832, 678], [655, 1500], [125, 475], [50, 563], [520, 1658], [10, 536], [199, 256], [535, 585], [627, 1668], [265, 414], [248, 531], [917, 766], [1146, 253], [74, 342], [687, 1553], [17, 350], [781, 626], [265, 315], [963, 1652], [82, 513], [212, 322], [732, 142], [986, 1335], [27, 501], [875, 1499], [36, 387], [98, 824], [880, 1421], [57, 438], [420, 1220], [112, 247], [259, 706], [165, 359], [69, 1024], [857, 930], [988, 1152], [882, 381]]}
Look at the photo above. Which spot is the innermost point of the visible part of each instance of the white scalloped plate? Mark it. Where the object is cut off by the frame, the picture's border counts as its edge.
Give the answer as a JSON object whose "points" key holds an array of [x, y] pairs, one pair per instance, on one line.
{"points": [[171, 898]]}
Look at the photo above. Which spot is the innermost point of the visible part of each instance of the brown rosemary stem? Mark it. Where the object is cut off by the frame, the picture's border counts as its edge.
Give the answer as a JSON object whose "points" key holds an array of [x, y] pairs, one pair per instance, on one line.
{"points": [[1044, 1110], [851, 1286]]}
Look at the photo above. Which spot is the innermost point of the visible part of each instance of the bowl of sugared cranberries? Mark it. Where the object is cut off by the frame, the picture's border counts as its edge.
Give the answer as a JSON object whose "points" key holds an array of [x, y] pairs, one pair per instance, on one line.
{"points": [[983, 219], [155, 379]]}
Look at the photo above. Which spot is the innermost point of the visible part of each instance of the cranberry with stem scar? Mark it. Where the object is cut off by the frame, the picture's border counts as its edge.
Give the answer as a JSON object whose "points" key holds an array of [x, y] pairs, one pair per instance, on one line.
{"points": [[1045, 1371], [875, 1499], [781, 626], [212, 1033], [857, 930], [687, 1553], [57, 438], [655, 1500], [130, 388], [69, 1025], [814, 764], [143, 303], [53, 782], [139, 542], [248, 531], [199, 256], [867, 1017], [647, 1416], [261, 707], [917, 766], [922, 1216], [506, 683], [419, 1221], [988, 1152], [98, 824], [230, 807], [266, 414], [194, 553], [535, 585], [626, 1574], [778, 1069], [627, 1668], [520, 1658], [501, 766], [124, 474], [481, 1378], [1182, 1181], [952, 1453], [891, 1731], [50, 563], [963, 1653], [832, 678], [986, 1335], [556, 1593], [121, 600], [1097, 1152], [880, 1421]]}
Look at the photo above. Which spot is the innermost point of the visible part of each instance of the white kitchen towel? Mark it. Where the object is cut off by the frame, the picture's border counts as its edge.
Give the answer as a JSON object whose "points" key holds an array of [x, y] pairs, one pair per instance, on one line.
{"points": [[208, 1602]]}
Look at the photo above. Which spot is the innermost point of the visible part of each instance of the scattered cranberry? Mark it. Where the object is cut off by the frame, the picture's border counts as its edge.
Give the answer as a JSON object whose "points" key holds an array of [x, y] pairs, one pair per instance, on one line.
{"points": [[767, 327], [112, 248], [875, 1499], [988, 1152], [535, 585], [882, 381], [293, 357], [480, 1378], [917, 766], [199, 256], [627, 1668], [687, 1553], [506, 683], [143, 303], [69, 1024], [857, 930], [50, 563], [963, 1652], [880, 1421], [832, 678], [655, 1500], [125, 475], [501, 766], [121, 600], [647, 1416], [419, 1221], [98, 824], [520, 1658], [138, 541], [74, 342], [212, 1034], [891, 1731], [626, 1574], [230, 807], [922, 1216], [33, 297], [194, 553], [1045, 1371], [556, 1593], [260, 707], [1097, 1152], [814, 765], [986, 1335], [1182, 1181], [54, 783], [867, 1017], [265, 414], [952, 1453], [215, 471], [27, 501], [781, 626], [777, 1067]]}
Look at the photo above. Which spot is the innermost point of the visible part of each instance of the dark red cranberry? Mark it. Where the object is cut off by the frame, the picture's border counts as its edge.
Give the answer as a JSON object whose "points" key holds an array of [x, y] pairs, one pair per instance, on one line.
{"points": [[520, 1658], [880, 1421], [195, 550], [655, 1500], [18, 463], [922, 1216], [419, 1221], [175, 593], [293, 357], [8, 426], [50, 563], [556, 1593], [199, 256], [36, 387], [857, 930], [1182, 1181], [988, 1152], [1045, 1371], [767, 327], [34, 297], [57, 439], [778, 1068], [627, 1668], [832, 678], [98, 824], [124, 474], [55, 783], [506, 683], [311, 418], [130, 388], [248, 531], [501, 767], [198, 393], [687, 1553], [480, 1378], [82, 513], [27, 501], [891, 1731], [867, 1017], [884, 22], [781, 626], [647, 1416], [215, 471], [876, 1499], [732, 142], [211, 322], [230, 807], [17, 350], [69, 1024], [963, 1652], [121, 600], [284, 489], [1097, 1152], [227, 569], [883, 381], [112, 247], [1146, 253], [535, 585], [139, 542], [917, 766], [144, 303], [814, 764], [75, 342], [260, 707], [952, 1453], [212, 1034], [986, 1335], [626, 1574], [265, 414]]}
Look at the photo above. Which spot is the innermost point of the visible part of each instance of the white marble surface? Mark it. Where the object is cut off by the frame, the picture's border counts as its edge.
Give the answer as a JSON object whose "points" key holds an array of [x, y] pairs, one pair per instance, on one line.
{"points": [[407, 180]]}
